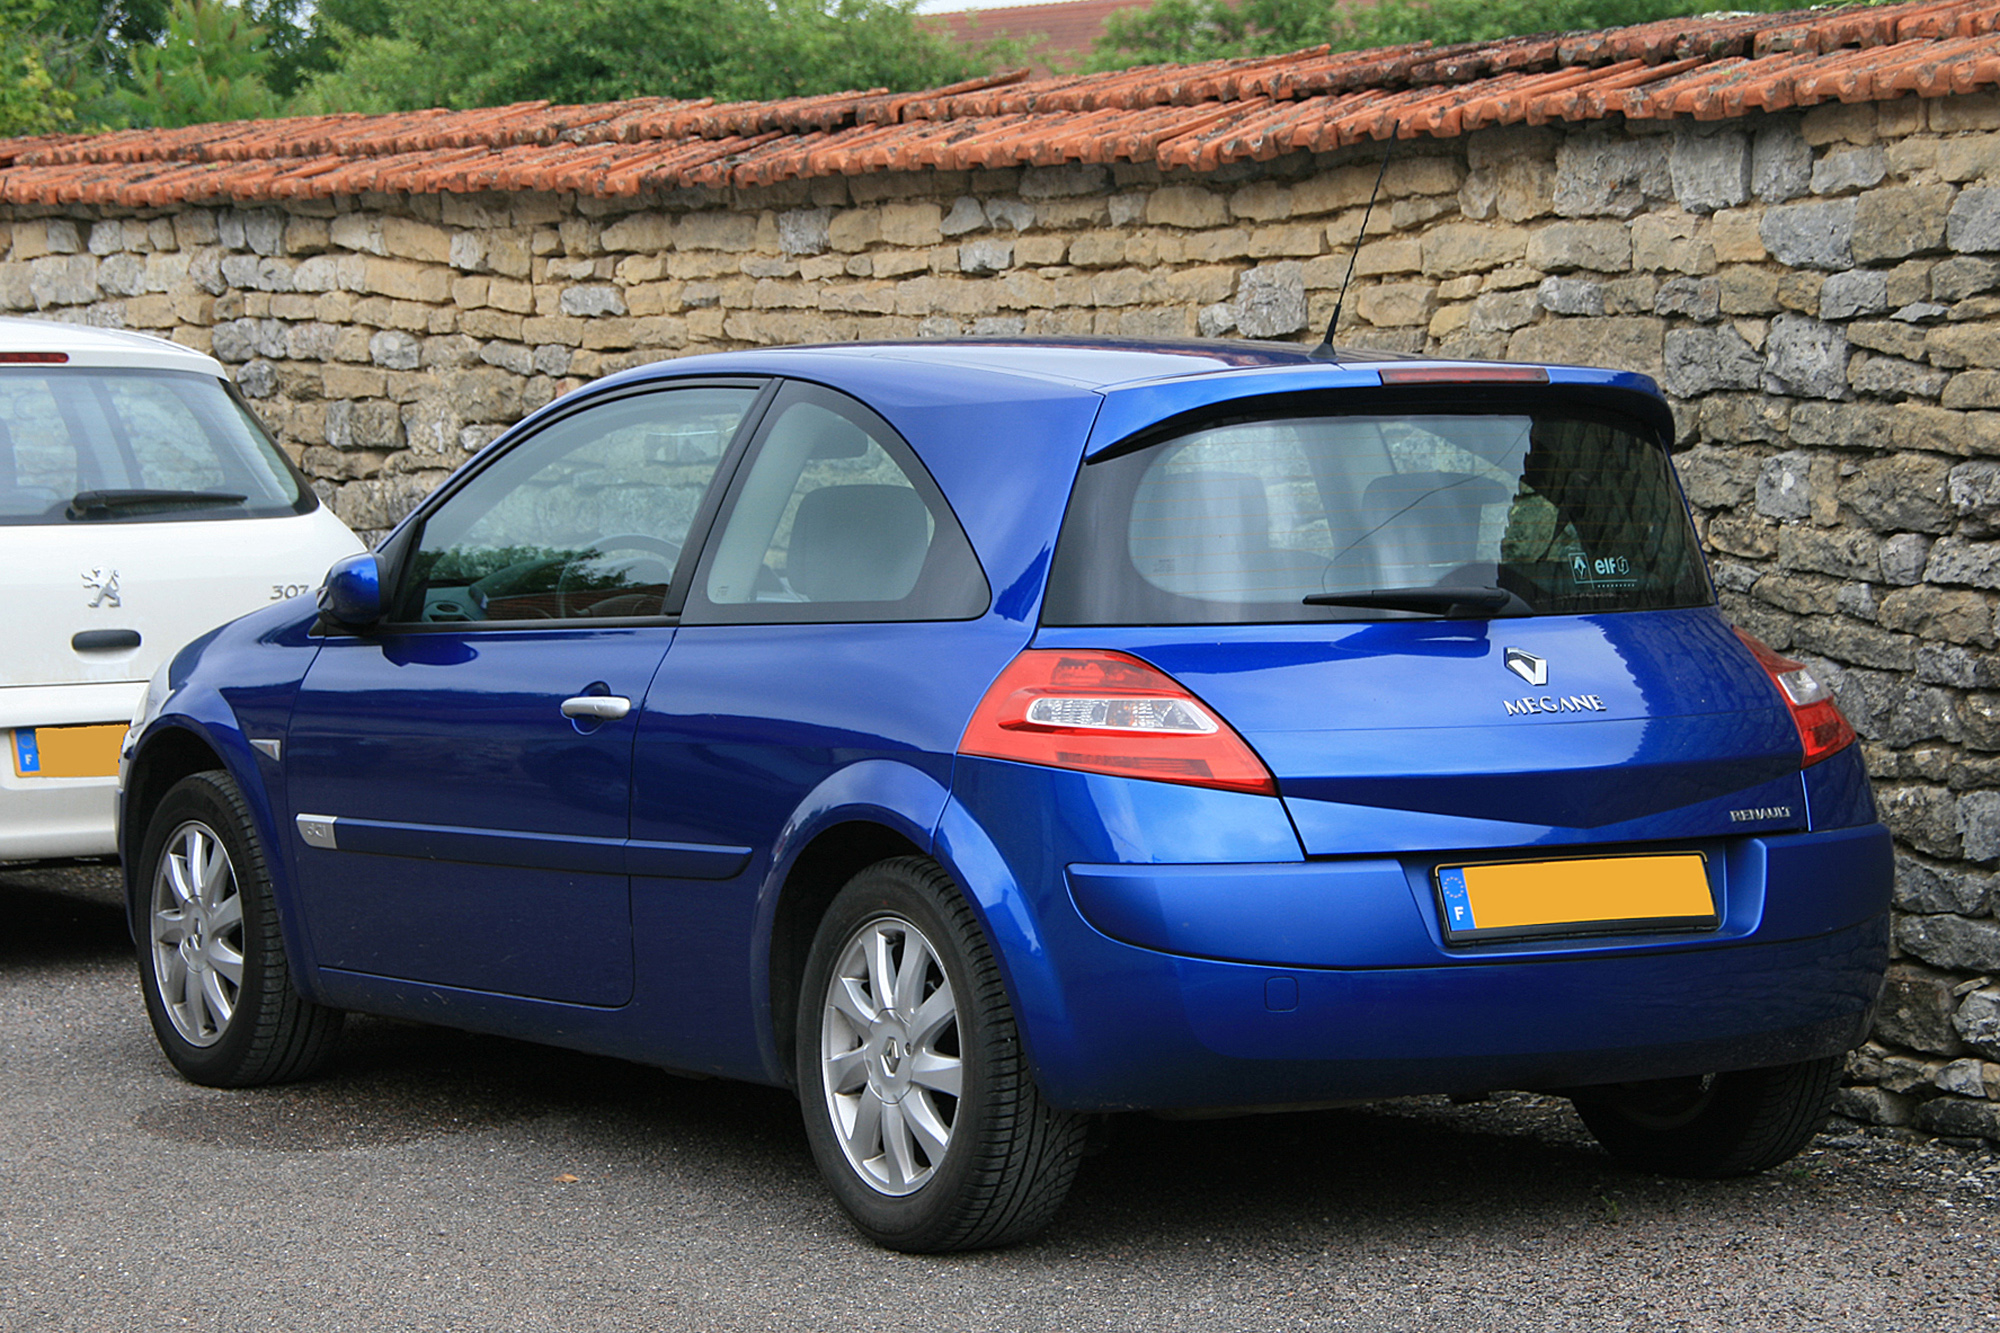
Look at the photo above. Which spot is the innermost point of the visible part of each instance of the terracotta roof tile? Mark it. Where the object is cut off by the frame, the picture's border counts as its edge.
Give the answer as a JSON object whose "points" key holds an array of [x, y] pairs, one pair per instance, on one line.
{"points": [[1194, 116]]}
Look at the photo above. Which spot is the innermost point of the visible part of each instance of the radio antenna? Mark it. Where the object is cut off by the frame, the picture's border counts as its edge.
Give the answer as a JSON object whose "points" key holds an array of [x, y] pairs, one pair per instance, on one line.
{"points": [[1324, 352]]}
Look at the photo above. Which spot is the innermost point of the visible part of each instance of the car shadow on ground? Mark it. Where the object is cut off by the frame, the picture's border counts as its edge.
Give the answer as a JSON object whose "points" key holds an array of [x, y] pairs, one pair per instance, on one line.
{"points": [[62, 915], [1417, 1165]]}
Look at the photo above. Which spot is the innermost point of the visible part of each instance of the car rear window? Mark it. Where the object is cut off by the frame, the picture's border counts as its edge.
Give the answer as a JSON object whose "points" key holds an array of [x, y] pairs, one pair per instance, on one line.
{"points": [[87, 445], [1562, 511]]}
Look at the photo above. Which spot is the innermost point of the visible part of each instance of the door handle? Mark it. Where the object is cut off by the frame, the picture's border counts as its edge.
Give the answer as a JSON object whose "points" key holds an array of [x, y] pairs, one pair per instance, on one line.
{"points": [[603, 707]]}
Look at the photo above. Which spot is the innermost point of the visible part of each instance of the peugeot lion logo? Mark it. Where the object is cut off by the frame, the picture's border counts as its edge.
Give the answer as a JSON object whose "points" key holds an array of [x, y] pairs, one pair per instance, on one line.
{"points": [[103, 582], [1527, 666]]}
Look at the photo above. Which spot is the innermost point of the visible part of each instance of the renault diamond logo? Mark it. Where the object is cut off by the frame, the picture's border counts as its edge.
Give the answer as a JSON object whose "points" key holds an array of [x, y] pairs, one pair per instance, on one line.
{"points": [[1527, 666]]}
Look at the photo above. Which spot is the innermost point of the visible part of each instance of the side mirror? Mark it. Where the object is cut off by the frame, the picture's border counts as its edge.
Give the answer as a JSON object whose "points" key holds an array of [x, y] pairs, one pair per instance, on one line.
{"points": [[352, 594]]}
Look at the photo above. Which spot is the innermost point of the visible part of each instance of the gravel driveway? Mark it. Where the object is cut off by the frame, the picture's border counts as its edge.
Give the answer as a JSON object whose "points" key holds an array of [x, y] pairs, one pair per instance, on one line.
{"points": [[443, 1181]]}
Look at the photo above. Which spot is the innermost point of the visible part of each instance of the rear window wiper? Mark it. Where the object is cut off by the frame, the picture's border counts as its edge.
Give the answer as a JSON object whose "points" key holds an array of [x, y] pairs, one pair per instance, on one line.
{"points": [[108, 504], [1474, 601]]}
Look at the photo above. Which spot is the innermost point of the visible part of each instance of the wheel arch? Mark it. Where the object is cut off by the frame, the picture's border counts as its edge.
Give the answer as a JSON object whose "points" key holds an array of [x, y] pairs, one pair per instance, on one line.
{"points": [[836, 855], [163, 757]]}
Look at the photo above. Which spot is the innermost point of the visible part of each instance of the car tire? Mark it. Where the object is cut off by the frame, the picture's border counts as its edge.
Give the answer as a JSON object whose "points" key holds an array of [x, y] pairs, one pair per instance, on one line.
{"points": [[212, 963], [921, 1111], [1713, 1126]]}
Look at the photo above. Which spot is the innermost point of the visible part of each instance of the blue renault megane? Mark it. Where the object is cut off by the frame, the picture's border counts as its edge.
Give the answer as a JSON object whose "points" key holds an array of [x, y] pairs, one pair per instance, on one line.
{"points": [[980, 737]]}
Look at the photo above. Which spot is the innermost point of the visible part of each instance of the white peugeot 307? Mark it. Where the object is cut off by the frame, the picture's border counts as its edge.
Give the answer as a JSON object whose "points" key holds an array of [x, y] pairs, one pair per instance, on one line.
{"points": [[141, 504]]}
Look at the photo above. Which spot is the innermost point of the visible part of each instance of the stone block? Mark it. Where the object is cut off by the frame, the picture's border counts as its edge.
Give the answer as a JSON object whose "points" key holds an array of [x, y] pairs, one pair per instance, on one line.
{"points": [[1472, 248], [1858, 292], [1927, 819], [1501, 312], [966, 215], [1923, 886], [1844, 171], [1600, 172], [1874, 1106], [1709, 170], [1700, 361], [1951, 941], [1188, 206], [1939, 613], [1961, 276], [1271, 301], [1261, 201], [1899, 493], [1065, 182], [1784, 487], [1893, 379], [1571, 296], [1973, 225], [983, 258], [407, 238], [1889, 337], [912, 225], [1896, 221], [643, 232], [1974, 493], [1977, 1021], [1805, 357], [1979, 825], [404, 280], [1955, 346], [1915, 1011], [1343, 187], [1814, 235], [1396, 304], [591, 301], [1699, 299], [1746, 289]]}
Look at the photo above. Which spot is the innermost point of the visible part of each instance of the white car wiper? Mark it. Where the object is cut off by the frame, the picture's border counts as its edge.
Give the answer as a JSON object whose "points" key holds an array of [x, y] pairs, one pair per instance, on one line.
{"points": [[106, 504]]}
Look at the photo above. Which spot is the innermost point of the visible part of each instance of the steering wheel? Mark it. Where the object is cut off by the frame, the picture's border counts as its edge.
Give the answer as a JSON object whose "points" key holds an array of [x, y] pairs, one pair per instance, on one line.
{"points": [[667, 552]]}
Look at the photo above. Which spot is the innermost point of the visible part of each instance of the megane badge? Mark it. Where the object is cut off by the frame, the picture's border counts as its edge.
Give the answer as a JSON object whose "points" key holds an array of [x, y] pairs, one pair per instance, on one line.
{"points": [[103, 582], [1527, 666]]}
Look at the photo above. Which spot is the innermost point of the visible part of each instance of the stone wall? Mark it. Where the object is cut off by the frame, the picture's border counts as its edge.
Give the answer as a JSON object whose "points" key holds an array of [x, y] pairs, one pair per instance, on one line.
{"points": [[1818, 291]]}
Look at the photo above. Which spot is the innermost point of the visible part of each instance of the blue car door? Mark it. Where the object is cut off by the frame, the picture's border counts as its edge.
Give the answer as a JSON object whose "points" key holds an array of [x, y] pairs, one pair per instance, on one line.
{"points": [[460, 776]]}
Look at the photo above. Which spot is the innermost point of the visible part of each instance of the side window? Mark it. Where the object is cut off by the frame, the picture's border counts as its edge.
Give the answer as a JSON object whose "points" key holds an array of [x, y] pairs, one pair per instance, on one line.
{"points": [[585, 520], [835, 520]]}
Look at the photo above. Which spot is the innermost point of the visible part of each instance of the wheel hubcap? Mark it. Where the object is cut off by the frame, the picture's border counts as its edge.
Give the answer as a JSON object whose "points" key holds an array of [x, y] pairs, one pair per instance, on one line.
{"points": [[197, 934], [890, 1062]]}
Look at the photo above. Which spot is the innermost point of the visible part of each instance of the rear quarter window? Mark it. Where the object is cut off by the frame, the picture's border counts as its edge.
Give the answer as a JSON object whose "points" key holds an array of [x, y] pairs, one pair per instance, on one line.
{"points": [[1567, 511]]}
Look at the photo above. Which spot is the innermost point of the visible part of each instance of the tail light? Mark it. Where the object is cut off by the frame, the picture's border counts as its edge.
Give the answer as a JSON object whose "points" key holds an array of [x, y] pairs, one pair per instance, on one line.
{"points": [[1104, 712], [1822, 730]]}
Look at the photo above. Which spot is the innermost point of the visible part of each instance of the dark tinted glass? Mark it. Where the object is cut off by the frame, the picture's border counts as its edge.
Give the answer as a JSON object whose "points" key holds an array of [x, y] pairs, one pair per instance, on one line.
{"points": [[1242, 522]]}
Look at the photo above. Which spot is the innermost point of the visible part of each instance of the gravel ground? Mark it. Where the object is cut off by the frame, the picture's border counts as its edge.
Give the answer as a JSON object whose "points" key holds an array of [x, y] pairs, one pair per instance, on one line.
{"points": [[443, 1181]]}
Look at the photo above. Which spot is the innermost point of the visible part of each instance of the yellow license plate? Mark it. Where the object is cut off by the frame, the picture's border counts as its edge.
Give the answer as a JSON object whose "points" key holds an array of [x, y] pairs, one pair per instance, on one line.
{"points": [[1587, 895], [68, 752]]}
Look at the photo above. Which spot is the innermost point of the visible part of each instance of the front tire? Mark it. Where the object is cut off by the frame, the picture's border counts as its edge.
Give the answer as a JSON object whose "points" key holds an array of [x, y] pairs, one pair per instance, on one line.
{"points": [[212, 964], [917, 1097], [1716, 1125]]}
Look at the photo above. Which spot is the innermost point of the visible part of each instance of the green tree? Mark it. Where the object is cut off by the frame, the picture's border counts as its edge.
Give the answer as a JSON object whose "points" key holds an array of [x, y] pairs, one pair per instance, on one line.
{"points": [[1184, 30], [466, 53], [32, 99], [209, 66]]}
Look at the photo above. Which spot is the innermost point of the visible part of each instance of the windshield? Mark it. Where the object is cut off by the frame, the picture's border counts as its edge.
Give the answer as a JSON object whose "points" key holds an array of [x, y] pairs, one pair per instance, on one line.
{"points": [[1378, 515], [83, 445]]}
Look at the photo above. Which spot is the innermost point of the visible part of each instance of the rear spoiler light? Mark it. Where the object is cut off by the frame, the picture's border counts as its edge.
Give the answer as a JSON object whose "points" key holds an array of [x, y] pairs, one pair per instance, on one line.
{"points": [[1464, 375], [34, 358]]}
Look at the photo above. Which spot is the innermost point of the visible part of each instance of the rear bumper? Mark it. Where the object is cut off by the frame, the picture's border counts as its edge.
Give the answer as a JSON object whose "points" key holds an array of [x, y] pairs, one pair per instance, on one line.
{"points": [[45, 818], [55, 818], [1179, 985], [1185, 1032]]}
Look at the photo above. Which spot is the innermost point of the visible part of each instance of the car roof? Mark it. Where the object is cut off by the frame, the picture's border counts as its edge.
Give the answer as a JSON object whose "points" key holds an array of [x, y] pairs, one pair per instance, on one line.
{"points": [[82, 345]]}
